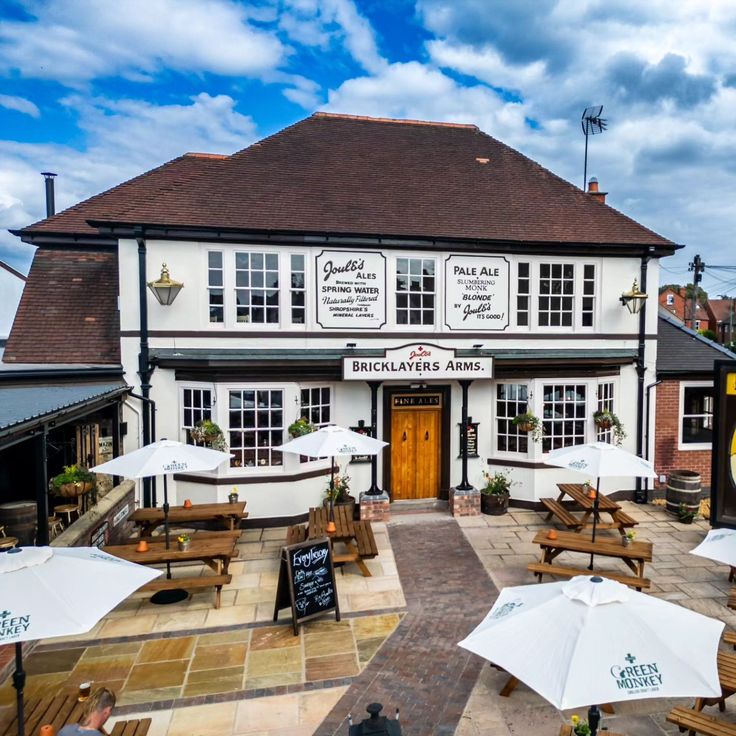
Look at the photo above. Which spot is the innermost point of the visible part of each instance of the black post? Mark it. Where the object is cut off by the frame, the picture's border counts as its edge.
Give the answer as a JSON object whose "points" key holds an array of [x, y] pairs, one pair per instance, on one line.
{"points": [[594, 719], [19, 682], [42, 489], [115, 417], [144, 366], [464, 484], [595, 516], [640, 495], [374, 490]]}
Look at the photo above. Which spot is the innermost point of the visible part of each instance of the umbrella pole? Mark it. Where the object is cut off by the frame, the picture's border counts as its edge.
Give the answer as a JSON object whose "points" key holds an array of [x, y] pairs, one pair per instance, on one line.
{"points": [[331, 528], [595, 516], [19, 682], [164, 597], [594, 719]]}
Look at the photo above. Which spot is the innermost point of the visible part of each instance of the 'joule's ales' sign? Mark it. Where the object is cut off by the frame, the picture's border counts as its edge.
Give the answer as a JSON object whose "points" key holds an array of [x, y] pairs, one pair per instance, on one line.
{"points": [[411, 362], [476, 293], [351, 290]]}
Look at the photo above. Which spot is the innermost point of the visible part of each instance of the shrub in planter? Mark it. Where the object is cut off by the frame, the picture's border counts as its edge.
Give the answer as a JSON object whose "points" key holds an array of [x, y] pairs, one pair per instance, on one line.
{"points": [[606, 419], [340, 493], [494, 496], [528, 422], [209, 434], [74, 481], [301, 427]]}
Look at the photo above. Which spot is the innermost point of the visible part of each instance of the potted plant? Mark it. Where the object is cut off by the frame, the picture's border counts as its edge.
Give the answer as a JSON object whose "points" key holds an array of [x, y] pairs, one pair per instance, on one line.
{"points": [[301, 427], [494, 496], [183, 541], [73, 481], [528, 422], [606, 419], [209, 434], [628, 538], [340, 493], [579, 727], [685, 514]]}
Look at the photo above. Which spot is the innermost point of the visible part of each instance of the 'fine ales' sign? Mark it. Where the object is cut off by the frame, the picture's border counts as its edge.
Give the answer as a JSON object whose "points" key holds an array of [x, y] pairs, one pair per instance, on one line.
{"points": [[476, 293], [351, 290]]}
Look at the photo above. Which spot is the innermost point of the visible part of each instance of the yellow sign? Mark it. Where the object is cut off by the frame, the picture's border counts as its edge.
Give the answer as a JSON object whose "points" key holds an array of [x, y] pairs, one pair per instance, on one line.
{"points": [[731, 384]]}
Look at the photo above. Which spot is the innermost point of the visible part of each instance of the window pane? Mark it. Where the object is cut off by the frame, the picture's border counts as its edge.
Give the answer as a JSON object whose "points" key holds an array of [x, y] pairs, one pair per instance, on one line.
{"points": [[563, 415], [511, 400], [414, 294]]}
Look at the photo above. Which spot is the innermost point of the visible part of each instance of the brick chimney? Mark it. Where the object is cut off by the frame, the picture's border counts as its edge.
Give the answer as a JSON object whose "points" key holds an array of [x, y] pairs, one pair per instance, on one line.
{"points": [[599, 197]]}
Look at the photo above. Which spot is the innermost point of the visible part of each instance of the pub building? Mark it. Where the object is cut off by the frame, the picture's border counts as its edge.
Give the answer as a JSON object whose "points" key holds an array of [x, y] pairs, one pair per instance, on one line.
{"points": [[420, 281]]}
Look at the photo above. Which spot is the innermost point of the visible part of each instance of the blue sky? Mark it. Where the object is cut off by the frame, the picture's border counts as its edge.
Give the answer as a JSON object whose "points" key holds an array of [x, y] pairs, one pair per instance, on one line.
{"points": [[100, 91]]}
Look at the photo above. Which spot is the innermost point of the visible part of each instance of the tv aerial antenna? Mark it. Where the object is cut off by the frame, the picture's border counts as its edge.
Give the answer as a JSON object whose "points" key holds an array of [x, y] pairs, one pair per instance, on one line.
{"points": [[592, 123]]}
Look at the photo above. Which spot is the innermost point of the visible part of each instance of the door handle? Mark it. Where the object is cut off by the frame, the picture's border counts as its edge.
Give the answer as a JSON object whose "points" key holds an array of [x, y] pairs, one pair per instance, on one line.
{"points": [[403, 439], [426, 435]]}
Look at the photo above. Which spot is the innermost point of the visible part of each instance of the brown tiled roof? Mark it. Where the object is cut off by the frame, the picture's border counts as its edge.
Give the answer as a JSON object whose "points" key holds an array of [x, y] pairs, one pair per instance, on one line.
{"points": [[68, 311], [720, 309], [365, 176]]}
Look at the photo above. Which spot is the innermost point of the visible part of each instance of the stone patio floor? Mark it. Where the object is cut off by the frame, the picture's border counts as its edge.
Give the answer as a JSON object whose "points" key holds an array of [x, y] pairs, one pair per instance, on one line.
{"points": [[201, 672]]}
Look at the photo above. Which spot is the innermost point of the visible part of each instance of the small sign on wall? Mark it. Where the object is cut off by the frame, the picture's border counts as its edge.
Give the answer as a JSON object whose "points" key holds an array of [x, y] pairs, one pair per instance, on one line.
{"points": [[472, 439], [100, 535]]}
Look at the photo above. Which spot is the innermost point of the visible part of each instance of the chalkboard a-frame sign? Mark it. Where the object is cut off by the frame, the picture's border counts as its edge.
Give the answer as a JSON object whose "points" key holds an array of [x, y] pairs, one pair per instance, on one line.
{"points": [[306, 582]]}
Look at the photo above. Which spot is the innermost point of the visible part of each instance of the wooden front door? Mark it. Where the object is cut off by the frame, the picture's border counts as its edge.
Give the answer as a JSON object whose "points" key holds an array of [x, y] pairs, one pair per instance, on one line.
{"points": [[415, 451]]}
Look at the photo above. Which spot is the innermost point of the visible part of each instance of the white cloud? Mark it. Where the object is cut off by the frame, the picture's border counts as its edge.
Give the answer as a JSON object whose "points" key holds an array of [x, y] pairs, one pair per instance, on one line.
{"points": [[126, 137], [20, 104], [320, 22], [413, 90], [79, 40]]}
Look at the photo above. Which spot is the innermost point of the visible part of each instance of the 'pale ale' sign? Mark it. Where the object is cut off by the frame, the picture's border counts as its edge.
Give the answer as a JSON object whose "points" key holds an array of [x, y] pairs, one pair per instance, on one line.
{"points": [[476, 293], [411, 362]]}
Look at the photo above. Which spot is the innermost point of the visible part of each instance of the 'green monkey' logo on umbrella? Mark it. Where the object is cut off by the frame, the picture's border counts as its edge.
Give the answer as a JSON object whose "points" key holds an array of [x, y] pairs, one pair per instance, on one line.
{"points": [[636, 678]]}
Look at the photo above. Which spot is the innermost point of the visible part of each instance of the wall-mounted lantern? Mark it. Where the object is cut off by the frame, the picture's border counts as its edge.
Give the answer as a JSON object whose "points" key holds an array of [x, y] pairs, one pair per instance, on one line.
{"points": [[165, 289], [634, 299]]}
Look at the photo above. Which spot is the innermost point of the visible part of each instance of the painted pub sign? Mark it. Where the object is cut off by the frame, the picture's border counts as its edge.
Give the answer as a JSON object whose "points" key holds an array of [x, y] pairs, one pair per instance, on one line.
{"points": [[351, 290], [476, 293]]}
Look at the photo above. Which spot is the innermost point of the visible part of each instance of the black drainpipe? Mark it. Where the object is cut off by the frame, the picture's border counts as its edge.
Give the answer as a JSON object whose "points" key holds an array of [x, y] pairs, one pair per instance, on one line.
{"points": [[144, 363], [646, 431], [640, 494]]}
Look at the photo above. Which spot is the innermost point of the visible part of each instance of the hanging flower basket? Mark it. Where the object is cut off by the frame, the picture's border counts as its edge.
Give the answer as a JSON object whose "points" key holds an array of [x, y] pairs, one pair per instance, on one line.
{"points": [[209, 434], [530, 423], [301, 427], [606, 419]]}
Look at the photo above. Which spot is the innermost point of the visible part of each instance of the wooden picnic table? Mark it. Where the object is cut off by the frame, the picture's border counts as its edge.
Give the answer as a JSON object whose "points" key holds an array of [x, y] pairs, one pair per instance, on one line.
{"points": [[213, 551], [58, 711], [727, 679], [634, 555], [149, 518], [357, 536], [578, 493]]}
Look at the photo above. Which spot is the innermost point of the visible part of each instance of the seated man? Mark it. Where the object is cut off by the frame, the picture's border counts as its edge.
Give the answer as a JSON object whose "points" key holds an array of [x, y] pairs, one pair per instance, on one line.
{"points": [[96, 711]]}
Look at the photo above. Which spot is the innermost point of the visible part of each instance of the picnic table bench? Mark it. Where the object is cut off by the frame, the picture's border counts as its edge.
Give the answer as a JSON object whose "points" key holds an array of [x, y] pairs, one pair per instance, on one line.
{"points": [[58, 711], [694, 722], [727, 680], [620, 520], [634, 555], [231, 514], [357, 536], [213, 549]]}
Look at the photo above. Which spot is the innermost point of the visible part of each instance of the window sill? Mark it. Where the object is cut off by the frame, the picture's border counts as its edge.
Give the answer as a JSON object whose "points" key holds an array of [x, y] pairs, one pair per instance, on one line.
{"points": [[695, 446]]}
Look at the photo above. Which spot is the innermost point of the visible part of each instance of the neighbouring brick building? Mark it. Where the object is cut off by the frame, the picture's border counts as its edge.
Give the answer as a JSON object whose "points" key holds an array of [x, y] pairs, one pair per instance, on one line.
{"points": [[722, 318], [684, 403], [676, 302]]}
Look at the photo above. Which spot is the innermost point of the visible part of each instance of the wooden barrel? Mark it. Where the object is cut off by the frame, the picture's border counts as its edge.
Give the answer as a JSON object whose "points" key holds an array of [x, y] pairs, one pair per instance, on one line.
{"points": [[683, 487], [19, 520]]}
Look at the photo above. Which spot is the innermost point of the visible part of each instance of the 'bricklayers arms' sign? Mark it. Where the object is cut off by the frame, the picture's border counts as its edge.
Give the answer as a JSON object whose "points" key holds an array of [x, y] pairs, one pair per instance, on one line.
{"points": [[414, 362]]}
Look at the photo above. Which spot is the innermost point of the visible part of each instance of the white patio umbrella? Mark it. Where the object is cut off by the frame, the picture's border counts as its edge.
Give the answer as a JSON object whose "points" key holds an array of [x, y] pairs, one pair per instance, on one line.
{"points": [[333, 441], [591, 640], [162, 458], [718, 545], [602, 460], [50, 591]]}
